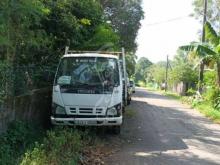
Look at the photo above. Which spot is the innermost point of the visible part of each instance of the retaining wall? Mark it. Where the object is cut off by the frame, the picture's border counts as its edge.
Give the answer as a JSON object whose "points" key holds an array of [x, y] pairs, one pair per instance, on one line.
{"points": [[32, 107]]}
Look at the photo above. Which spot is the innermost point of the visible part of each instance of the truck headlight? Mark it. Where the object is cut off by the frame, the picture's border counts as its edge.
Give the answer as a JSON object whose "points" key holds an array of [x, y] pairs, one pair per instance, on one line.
{"points": [[114, 111], [57, 109]]}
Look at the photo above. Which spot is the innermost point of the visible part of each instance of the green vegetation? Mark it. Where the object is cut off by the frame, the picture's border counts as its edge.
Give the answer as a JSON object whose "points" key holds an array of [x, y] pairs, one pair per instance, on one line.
{"points": [[156, 73], [184, 69], [203, 106], [141, 67], [33, 36], [207, 109], [208, 53], [125, 16], [26, 144], [172, 95], [130, 113], [192, 62], [213, 11], [180, 70], [19, 137], [58, 147]]}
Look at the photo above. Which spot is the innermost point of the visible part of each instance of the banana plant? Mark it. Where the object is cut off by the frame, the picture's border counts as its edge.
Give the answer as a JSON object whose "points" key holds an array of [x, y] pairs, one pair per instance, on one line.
{"points": [[214, 40], [208, 52], [201, 51]]}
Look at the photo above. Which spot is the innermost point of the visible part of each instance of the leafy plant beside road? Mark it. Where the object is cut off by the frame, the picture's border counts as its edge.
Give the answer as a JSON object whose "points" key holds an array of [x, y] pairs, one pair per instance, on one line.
{"points": [[29, 144]]}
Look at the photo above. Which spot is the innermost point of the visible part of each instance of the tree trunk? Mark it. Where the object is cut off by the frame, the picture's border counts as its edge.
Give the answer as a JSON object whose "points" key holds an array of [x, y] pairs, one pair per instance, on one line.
{"points": [[218, 73], [201, 71]]}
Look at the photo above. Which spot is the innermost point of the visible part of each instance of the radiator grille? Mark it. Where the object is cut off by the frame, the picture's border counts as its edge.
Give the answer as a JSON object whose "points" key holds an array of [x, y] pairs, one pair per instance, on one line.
{"points": [[86, 111]]}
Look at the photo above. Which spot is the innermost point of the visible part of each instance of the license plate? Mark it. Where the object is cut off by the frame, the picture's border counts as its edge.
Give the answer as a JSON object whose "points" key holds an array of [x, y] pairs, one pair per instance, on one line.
{"points": [[81, 122]]}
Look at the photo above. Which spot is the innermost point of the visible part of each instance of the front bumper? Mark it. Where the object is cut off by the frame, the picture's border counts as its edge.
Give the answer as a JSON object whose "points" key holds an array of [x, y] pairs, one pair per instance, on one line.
{"points": [[87, 121]]}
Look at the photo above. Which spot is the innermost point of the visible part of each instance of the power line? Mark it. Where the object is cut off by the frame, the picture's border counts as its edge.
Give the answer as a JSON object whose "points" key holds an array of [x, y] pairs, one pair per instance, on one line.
{"points": [[166, 21]]}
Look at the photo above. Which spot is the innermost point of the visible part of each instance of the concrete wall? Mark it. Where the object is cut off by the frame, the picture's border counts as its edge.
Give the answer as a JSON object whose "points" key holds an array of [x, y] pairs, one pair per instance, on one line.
{"points": [[180, 88], [33, 107], [6, 116]]}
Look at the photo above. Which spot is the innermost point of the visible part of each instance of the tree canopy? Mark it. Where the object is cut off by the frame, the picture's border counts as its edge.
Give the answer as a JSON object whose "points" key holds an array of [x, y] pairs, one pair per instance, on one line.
{"points": [[124, 16], [35, 33], [182, 69], [213, 11], [142, 67]]}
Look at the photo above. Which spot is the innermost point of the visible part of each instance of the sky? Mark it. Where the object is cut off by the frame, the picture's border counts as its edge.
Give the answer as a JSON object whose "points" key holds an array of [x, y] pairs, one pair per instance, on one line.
{"points": [[166, 26]]}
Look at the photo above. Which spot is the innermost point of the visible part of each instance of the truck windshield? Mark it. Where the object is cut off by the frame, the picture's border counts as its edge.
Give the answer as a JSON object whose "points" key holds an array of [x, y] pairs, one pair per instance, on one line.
{"points": [[94, 73]]}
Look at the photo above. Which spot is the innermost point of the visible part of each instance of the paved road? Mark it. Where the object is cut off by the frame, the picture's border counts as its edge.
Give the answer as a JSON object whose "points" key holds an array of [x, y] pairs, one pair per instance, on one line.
{"points": [[162, 131]]}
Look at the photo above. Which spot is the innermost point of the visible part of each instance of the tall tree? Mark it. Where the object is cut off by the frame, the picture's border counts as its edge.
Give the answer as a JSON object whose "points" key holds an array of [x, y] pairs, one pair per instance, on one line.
{"points": [[213, 12], [141, 69], [125, 16], [182, 69], [104, 38], [72, 22], [156, 72], [20, 27]]}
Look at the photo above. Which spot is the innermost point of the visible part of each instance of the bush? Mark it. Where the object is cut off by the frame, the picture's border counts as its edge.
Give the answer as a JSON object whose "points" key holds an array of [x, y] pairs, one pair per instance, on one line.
{"points": [[191, 92], [217, 103], [5, 81], [28, 144], [61, 146], [213, 95], [19, 137], [141, 84]]}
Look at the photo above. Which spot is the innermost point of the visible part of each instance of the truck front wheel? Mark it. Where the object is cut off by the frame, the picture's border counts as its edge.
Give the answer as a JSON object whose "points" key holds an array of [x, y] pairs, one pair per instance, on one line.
{"points": [[129, 101], [116, 129]]}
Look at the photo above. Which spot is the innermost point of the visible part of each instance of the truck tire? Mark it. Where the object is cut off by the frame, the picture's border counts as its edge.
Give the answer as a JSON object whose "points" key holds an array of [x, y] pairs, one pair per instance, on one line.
{"points": [[129, 101], [123, 109], [116, 130], [126, 102]]}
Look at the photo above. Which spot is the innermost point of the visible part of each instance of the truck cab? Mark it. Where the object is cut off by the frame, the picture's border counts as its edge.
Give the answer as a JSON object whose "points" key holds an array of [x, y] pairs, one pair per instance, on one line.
{"points": [[87, 90]]}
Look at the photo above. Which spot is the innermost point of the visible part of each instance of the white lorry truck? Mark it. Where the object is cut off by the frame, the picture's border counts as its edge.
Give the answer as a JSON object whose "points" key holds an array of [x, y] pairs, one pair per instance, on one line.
{"points": [[88, 89]]}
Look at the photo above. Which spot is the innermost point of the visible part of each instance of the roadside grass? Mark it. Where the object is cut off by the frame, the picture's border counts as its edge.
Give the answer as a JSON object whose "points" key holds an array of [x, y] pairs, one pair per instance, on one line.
{"points": [[152, 89], [203, 107], [172, 95], [149, 87], [58, 147], [207, 109], [28, 144], [168, 93], [140, 84], [129, 112]]}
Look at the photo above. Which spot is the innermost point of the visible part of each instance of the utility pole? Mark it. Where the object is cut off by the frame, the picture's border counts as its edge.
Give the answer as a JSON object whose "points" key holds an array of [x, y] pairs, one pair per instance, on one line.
{"points": [[204, 20], [202, 65], [166, 79]]}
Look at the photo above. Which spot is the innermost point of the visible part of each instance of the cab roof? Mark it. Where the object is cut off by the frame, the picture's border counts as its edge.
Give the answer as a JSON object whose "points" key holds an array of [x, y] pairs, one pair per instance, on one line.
{"points": [[91, 55]]}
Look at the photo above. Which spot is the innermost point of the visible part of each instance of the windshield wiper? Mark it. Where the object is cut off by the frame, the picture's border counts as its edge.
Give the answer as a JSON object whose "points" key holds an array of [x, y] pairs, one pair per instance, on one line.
{"points": [[78, 83]]}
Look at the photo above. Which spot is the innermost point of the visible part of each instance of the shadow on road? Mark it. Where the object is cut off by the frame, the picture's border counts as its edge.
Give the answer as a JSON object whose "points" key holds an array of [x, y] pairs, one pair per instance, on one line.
{"points": [[165, 132]]}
